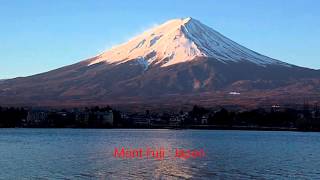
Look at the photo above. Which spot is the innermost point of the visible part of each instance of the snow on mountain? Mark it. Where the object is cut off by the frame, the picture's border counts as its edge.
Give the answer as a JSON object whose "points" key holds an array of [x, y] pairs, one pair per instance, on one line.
{"points": [[181, 40], [231, 75]]}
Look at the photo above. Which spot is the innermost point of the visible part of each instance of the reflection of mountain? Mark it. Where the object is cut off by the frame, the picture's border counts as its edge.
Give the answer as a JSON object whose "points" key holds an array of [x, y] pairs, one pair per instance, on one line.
{"points": [[180, 61]]}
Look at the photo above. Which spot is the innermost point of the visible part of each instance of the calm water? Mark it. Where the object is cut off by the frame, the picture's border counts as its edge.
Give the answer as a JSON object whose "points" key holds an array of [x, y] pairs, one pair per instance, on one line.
{"points": [[88, 154]]}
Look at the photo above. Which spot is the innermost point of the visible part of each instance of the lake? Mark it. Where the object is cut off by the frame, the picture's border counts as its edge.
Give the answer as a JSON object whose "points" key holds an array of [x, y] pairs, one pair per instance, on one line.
{"points": [[89, 154]]}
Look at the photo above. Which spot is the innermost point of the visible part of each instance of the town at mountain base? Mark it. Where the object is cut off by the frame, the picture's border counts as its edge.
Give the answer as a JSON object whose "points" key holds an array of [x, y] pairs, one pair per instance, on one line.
{"points": [[179, 63]]}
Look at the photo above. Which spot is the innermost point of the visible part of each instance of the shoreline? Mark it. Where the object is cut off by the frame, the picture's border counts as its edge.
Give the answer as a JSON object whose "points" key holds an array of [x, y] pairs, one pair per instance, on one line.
{"points": [[200, 127]]}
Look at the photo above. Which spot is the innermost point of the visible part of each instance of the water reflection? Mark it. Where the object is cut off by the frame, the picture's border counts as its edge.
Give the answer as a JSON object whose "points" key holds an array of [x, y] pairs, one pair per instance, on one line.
{"points": [[88, 154]]}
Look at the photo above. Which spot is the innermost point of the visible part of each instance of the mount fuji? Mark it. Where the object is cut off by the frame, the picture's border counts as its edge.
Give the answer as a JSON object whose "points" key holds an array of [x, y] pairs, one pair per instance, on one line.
{"points": [[181, 62]]}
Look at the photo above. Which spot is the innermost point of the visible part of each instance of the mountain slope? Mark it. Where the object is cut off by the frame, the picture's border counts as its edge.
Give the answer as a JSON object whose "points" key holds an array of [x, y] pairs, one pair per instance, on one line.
{"points": [[179, 62], [178, 41]]}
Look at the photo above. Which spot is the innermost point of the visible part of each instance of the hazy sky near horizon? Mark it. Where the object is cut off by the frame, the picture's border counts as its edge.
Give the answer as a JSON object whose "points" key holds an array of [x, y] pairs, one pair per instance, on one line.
{"points": [[41, 35]]}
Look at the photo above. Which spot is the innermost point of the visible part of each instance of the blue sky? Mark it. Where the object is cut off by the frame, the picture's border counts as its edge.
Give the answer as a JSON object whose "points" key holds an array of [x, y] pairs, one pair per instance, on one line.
{"points": [[41, 35]]}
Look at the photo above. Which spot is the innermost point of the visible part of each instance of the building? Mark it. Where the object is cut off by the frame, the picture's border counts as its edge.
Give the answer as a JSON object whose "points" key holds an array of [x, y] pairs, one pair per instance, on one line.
{"points": [[82, 117], [174, 121], [36, 117], [105, 117], [140, 120], [204, 119]]}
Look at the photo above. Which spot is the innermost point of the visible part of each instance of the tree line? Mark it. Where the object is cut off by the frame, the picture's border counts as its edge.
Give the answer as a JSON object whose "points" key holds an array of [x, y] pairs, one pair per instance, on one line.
{"points": [[307, 118]]}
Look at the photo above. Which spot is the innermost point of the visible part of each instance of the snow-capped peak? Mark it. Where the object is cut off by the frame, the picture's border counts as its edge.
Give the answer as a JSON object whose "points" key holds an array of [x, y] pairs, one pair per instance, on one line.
{"points": [[177, 41]]}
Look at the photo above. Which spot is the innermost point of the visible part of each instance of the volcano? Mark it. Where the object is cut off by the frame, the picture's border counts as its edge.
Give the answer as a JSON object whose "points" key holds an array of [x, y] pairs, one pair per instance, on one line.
{"points": [[181, 62]]}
